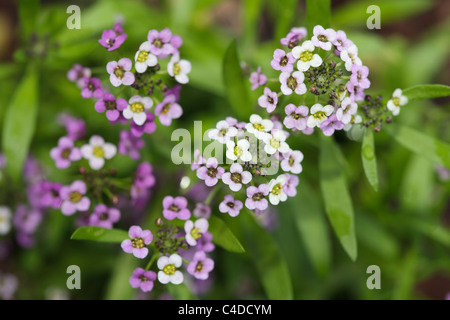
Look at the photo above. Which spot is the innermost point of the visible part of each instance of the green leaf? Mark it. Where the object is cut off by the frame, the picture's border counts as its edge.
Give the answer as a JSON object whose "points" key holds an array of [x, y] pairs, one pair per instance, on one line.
{"points": [[422, 144], [427, 91], [235, 87], [223, 236], [312, 226], [284, 16], [20, 123], [318, 12], [100, 234], [338, 203], [180, 292], [369, 159], [119, 287], [28, 11], [432, 229], [270, 264]]}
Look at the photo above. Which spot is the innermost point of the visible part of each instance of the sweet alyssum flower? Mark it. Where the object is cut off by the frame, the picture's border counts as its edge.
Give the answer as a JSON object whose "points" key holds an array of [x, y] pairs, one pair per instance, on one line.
{"points": [[144, 58], [97, 151], [5, 220], [293, 37], [223, 132], [276, 192], [331, 124], [276, 142], [346, 111], [350, 57], [257, 79], [256, 197], [268, 100], [139, 240], [8, 285], [137, 106], [323, 38], [27, 220], [359, 76], [73, 198], [236, 177], [76, 128], [111, 40], [199, 160], [168, 109], [161, 42], [175, 208], [130, 145], [50, 194], [78, 73], [397, 100], [202, 210], [291, 162], [341, 42], [292, 83], [104, 217], [65, 153], [319, 114], [290, 186], [112, 106], [179, 69], [195, 230], [200, 266], [142, 279], [238, 150], [168, 267], [211, 172], [231, 206], [283, 61], [120, 72], [258, 126], [92, 88], [296, 117], [356, 119], [306, 56], [148, 127]]}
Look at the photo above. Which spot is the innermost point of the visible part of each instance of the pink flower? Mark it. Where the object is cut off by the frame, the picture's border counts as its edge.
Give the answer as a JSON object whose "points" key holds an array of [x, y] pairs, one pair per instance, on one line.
{"points": [[175, 208], [139, 240], [120, 72]]}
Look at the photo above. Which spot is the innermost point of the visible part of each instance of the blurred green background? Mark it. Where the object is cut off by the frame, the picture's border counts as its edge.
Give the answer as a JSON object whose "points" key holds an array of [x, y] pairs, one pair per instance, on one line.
{"points": [[404, 228]]}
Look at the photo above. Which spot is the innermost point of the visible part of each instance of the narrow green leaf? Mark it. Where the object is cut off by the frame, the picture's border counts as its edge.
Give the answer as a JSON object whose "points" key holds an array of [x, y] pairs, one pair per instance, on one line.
{"points": [[252, 9], [369, 159], [338, 203], [28, 11], [100, 234], [318, 12], [235, 87], [180, 292], [20, 122], [427, 91], [283, 16], [422, 144], [312, 226], [223, 236], [119, 286], [270, 264], [432, 229]]}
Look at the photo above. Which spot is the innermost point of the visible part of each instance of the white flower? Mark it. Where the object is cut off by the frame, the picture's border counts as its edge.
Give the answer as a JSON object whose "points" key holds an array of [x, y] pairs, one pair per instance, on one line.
{"points": [[319, 114], [239, 150], [168, 267], [194, 231], [396, 102], [346, 111], [355, 120], [276, 192], [259, 127], [223, 132], [5, 220], [179, 69], [350, 57], [276, 142], [136, 108], [305, 56], [144, 58], [97, 151]]}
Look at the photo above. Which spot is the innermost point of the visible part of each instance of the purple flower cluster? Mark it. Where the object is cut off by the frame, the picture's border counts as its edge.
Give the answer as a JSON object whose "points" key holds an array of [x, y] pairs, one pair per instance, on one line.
{"points": [[113, 38]]}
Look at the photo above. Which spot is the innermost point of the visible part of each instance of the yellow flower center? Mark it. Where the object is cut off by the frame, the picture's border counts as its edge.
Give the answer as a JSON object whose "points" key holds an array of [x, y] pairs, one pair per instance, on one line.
{"points": [[142, 56], [137, 107], [396, 101], [65, 154], [169, 269], [306, 56], [195, 233], [98, 152], [75, 197], [176, 69], [166, 108], [275, 143], [119, 72], [238, 151], [319, 115], [138, 243], [292, 83], [258, 126], [199, 267], [276, 190]]}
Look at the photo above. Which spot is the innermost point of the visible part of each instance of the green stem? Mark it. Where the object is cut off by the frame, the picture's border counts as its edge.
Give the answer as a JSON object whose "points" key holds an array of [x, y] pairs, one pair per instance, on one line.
{"points": [[211, 195], [149, 264]]}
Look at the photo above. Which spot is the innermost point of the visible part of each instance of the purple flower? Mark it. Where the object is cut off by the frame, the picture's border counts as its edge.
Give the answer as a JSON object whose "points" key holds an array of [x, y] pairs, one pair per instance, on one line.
{"points": [[130, 145], [168, 109], [149, 126], [296, 117], [144, 177], [204, 243], [293, 37], [161, 42], [200, 266], [359, 76], [323, 38], [32, 171], [199, 160], [118, 29], [292, 82], [231, 206], [356, 92], [72, 198], [92, 87], [110, 40], [347, 110], [8, 286], [341, 42], [76, 128], [211, 172], [283, 62], [120, 72], [268, 100], [65, 153], [174, 91], [331, 124], [236, 177], [104, 217], [139, 240], [202, 211], [143, 279], [290, 187], [256, 197], [50, 194], [175, 208], [291, 162], [194, 231], [257, 79], [2, 161], [27, 220], [78, 73], [112, 106]]}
